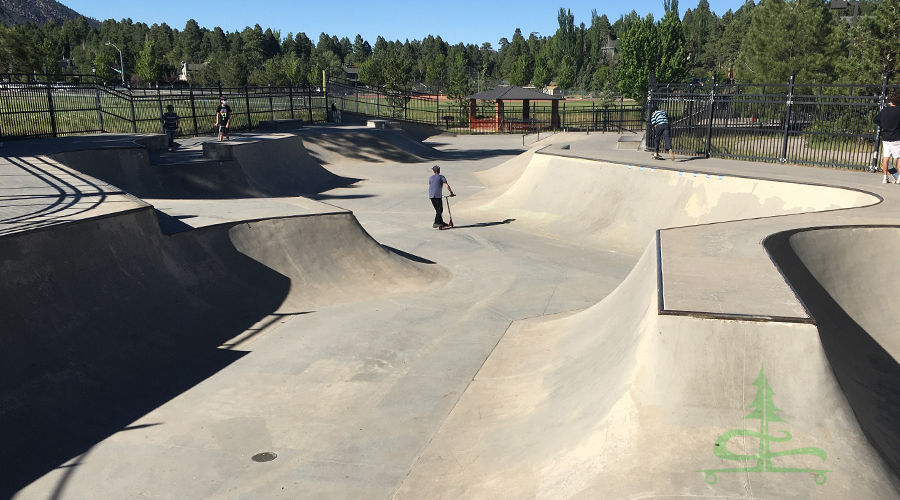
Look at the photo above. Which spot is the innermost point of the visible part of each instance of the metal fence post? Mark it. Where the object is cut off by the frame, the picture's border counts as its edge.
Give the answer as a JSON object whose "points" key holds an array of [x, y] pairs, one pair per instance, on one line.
{"points": [[159, 100], [884, 82], [133, 118], [291, 98], [648, 143], [99, 106], [50, 106], [712, 116], [309, 101], [247, 102], [787, 120], [271, 104], [193, 109]]}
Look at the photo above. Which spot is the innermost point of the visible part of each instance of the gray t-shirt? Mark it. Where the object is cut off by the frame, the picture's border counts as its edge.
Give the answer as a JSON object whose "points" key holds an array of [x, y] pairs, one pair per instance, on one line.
{"points": [[436, 185]]}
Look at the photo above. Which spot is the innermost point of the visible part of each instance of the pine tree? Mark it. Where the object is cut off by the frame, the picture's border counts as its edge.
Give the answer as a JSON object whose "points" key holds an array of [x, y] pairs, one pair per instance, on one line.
{"points": [[518, 75], [698, 26], [786, 37], [873, 44]]}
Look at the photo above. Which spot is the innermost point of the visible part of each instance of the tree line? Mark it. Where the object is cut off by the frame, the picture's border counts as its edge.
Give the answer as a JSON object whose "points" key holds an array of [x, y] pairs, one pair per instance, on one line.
{"points": [[758, 43]]}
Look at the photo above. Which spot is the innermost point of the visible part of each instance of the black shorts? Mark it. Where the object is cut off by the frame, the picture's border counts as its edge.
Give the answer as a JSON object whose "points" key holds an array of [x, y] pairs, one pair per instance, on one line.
{"points": [[223, 129]]}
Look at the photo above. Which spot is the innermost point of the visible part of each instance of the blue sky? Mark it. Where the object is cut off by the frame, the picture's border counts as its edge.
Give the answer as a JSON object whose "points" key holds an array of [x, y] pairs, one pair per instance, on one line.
{"points": [[467, 21]]}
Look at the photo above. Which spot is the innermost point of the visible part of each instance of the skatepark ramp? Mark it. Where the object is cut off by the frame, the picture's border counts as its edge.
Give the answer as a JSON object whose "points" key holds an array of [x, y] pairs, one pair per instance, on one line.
{"points": [[617, 402], [106, 318], [847, 279], [272, 166], [619, 206], [620, 401]]}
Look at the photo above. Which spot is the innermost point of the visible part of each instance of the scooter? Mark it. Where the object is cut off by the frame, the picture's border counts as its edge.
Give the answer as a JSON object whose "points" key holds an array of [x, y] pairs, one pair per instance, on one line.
{"points": [[450, 224]]}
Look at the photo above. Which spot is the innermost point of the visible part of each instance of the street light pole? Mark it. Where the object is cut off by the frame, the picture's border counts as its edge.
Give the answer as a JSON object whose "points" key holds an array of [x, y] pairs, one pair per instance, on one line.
{"points": [[121, 64]]}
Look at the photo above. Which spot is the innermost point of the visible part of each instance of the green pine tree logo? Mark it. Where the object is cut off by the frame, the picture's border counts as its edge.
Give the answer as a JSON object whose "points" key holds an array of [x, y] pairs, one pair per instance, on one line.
{"points": [[764, 410]]}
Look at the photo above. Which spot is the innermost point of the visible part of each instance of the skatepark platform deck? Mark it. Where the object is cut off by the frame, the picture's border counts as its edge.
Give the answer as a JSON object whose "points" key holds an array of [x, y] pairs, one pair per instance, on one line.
{"points": [[38, 192], [738, 279], [597, 325]]}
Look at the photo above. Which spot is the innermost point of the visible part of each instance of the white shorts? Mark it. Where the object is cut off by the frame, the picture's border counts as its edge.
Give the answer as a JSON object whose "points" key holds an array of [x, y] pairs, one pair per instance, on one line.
{"points": [[891, 149]]}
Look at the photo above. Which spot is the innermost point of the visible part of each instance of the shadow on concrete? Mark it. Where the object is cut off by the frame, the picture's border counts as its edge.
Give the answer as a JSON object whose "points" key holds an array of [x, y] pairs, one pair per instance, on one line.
{"points": [[23, 209], [118, 321], [171, 224], [478, 154], [275, 168], [483, 224], [414, 258], [321, 197], [867, 373]]}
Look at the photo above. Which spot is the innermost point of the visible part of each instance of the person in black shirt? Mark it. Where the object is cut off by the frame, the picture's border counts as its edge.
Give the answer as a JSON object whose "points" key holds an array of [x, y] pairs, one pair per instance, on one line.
{"points": [[223, 119], [889, 121], [170, 121]]}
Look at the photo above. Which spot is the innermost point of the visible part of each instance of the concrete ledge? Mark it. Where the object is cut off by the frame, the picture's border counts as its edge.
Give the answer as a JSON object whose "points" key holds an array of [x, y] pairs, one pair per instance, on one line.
{"points": [[280, 124], [218, 151], [632, 142], [383, 124], [154, 142]]}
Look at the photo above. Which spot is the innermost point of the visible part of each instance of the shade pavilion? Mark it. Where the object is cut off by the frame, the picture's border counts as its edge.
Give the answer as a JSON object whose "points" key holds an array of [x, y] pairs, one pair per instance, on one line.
{"points": [[511, 93]]}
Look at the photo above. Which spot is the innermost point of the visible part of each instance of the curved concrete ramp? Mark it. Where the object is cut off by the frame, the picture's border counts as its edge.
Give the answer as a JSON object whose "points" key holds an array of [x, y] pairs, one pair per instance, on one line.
{"points": [[249, 168], [619, 206], [618, 402], [848, 279], [107, 319]]}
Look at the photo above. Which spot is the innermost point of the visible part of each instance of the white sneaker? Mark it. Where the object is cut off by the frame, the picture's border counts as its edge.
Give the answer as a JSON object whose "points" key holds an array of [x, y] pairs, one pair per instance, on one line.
{"points": [[885, 181]]}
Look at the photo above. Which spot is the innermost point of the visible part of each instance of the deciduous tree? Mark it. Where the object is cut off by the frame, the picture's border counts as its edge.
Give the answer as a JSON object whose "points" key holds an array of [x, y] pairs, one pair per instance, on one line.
{"points": [[638, 55]]}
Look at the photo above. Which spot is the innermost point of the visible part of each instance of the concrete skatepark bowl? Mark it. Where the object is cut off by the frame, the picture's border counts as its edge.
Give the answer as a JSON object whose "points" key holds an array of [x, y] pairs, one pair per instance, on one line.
{"points": [[275, 318]]}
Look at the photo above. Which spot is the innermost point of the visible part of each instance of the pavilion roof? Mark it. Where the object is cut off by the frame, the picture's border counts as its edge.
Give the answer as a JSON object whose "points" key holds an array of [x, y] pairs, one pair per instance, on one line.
{"points": [[513, 93]]}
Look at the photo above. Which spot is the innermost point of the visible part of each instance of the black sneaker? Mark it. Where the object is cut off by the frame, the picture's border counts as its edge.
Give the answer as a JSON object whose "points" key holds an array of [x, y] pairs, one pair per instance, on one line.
{"points": [[435, 226]]}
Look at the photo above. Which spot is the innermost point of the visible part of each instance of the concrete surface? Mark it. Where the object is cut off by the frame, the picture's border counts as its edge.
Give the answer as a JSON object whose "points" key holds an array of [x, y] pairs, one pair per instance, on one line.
{"points": [[588, 329], [38, 192], [249, 166]]}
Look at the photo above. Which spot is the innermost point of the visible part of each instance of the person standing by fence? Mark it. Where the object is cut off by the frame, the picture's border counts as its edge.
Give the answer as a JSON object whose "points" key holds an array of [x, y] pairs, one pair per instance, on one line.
{"points": [[170, 123], [660, 121], [889, 121], [223, 119]]}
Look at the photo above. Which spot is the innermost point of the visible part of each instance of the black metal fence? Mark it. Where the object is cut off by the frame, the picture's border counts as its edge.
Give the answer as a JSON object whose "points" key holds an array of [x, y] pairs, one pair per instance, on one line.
{"points": [[825, 125], [456, 116], [34, 109], [31, 107]]}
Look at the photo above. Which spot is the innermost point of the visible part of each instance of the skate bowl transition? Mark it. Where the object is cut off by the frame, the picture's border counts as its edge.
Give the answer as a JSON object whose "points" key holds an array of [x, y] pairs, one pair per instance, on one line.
{"points": [[615, 401], [627, 398]]}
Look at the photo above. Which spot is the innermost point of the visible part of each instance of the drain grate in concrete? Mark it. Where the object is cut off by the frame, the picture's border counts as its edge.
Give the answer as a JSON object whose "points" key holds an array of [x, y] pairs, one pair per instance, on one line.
{"points": [[266, 456]]}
